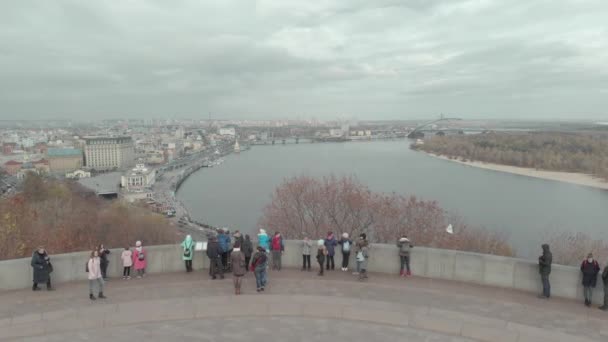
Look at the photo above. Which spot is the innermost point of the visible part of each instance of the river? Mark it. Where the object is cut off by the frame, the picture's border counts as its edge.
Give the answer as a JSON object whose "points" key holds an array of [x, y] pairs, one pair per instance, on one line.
{"points": [[527, 209]]}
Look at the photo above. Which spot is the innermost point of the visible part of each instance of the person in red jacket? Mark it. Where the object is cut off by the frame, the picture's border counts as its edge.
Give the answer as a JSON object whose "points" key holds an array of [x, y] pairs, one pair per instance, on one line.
{"points": [[590, 269], [277, 247]]}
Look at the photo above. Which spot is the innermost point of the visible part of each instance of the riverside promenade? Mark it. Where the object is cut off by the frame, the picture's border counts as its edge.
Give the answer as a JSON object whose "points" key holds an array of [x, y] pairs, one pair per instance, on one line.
{"points": [[298, 306]]}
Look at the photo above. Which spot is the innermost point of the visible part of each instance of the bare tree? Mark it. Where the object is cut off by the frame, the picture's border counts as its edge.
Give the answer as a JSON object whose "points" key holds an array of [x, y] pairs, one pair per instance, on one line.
{"points": [[307, 206]]}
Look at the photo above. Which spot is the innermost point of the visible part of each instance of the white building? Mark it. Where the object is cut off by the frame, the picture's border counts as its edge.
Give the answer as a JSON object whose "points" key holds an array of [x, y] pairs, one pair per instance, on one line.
{"points": [[138, 179], [78, 174], [229, 131], [336, 132], [107, 153]]}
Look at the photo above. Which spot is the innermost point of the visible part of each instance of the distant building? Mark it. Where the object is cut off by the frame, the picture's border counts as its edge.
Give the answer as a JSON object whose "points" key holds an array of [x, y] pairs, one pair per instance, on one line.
{"points": [[336, 132], [108, 153], [8, 148], [78, 174], [12, 167], [62, 160], [28, 167], [229, 131], [154, 157], [138, 179], [41, 148], [42, 166]]}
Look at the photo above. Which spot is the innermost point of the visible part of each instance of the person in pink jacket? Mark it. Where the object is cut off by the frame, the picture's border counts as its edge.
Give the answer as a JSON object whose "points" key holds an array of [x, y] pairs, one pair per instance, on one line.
{"points": [[95, 276], [140, 259]]}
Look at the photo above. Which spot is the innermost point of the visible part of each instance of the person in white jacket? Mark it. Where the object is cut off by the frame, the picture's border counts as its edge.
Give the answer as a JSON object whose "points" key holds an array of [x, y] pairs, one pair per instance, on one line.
{"points": [[95, 277]]}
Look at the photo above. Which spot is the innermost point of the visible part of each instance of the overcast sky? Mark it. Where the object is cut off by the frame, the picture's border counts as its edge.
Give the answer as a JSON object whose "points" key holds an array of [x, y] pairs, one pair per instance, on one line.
{"points": [[365, 59]]}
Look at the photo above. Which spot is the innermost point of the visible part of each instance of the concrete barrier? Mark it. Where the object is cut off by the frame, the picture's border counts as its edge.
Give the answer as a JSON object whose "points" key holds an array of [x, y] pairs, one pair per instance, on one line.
{"points": [[425, 262]]}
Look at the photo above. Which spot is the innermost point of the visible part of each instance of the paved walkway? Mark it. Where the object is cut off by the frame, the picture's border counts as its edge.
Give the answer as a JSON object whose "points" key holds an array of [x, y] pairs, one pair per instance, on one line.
{"points": [[296, 304]]}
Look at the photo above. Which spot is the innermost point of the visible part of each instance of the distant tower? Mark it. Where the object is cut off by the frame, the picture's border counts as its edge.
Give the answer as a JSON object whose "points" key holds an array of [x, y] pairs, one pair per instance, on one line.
{"points": [[237, 148]]}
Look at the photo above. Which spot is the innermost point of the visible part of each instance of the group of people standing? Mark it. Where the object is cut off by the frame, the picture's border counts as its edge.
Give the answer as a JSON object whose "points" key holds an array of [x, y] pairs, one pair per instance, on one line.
{"points": [[97, 265], [237, 254], [590, 269], [326, 250]]}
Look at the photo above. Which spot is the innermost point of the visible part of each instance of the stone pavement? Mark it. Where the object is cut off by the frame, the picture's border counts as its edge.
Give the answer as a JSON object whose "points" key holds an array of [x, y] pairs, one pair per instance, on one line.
{"points": [[297, 305]]}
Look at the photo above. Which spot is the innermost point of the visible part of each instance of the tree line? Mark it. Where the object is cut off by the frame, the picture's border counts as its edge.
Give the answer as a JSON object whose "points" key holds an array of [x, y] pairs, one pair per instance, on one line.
{"points": [[553, 151], [65, 217]]}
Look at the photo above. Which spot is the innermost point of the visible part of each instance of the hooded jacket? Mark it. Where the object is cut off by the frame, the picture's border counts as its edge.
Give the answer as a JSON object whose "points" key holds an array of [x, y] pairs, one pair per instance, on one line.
{"points": [[263, 240], [590, 271], [405, 247], [330, 243], [213, 249], [224, 241], [247, 247], [545, 260], [41, 263], [188, 245]]}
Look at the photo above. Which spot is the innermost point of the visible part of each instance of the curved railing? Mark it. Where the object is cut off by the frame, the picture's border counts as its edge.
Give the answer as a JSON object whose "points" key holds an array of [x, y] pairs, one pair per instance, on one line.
{"points": [[468, 267]]}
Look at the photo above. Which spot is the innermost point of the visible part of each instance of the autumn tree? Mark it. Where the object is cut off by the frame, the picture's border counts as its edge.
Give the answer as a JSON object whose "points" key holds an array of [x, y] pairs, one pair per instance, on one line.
{"points": [[305, 206], [64, 217]]}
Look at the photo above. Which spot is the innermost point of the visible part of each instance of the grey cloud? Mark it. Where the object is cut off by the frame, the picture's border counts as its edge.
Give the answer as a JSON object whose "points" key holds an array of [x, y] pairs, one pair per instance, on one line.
{"points": [[380, 59]]}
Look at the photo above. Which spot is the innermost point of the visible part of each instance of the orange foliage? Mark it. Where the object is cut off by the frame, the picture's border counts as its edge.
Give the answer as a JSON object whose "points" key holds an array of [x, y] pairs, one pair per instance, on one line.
{"points": [[65, 217]]}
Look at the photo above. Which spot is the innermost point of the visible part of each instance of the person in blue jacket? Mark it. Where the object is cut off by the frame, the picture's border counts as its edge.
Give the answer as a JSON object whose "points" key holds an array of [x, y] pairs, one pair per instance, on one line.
{"points": [[224, 242], [330, 244], [264, 240]]}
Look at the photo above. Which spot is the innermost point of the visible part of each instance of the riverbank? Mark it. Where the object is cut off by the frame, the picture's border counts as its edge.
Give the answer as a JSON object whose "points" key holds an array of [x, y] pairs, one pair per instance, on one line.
{"points": [[566, 177]]}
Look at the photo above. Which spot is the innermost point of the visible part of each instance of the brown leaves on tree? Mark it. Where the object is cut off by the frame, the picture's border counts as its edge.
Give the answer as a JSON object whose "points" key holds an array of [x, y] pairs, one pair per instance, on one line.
{"points": [[305, 206], [64, 217]]}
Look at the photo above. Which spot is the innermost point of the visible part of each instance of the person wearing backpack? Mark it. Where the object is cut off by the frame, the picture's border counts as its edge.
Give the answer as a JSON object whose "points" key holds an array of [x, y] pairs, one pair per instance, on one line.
{"points": [[140, 260], [127, 262], [590, 269], [605, 280], [237, 259], [346, 245], [188, 252], [277, 247], [95, 276], [259, 263], [405, 245]]}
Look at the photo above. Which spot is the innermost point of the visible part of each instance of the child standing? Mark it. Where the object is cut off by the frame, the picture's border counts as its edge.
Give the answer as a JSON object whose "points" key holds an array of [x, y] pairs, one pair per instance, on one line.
{"points": [[321, 255], [306, 248], [362, 257], [358, 251], [127, 262]]}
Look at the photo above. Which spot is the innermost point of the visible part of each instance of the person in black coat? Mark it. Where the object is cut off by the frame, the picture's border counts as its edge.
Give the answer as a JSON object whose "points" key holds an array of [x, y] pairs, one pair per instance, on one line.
{"points": [[247, 249], [214, 255], [605, 280], [544, 268], [41, 264], [590, 269], [103, 260]]}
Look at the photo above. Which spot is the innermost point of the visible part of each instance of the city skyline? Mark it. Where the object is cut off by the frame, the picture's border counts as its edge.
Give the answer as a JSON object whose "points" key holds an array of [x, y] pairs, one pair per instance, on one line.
{"points": [[365, 60]]}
